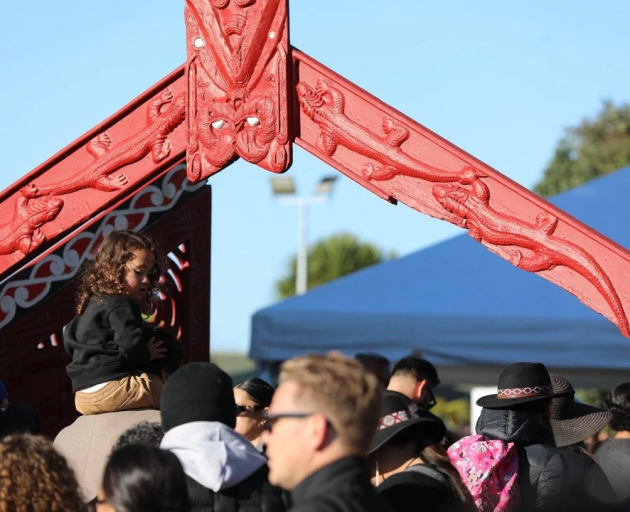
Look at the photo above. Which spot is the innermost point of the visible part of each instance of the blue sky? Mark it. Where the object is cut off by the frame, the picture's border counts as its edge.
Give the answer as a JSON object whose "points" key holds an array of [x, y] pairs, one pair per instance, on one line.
{"points": [[499, 79]]}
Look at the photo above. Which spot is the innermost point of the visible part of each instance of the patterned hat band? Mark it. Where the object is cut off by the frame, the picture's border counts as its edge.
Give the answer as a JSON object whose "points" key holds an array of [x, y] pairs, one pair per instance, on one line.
{"points": [[525, 392], [393, 418]]}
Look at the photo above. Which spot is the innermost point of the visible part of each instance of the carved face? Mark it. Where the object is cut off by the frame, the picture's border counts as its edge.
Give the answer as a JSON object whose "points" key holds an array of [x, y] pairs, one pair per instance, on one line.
{"points": [[310, 98], [44, 209], [246, 131], [451, 197]]}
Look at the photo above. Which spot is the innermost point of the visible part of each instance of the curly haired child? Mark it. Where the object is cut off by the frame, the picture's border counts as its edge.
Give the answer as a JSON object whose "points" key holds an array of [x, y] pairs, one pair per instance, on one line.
{"points": [[107, 340]]}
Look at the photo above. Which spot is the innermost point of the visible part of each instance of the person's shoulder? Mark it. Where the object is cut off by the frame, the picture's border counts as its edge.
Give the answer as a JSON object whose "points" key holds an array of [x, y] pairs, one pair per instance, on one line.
{"points": [[330, 504], [112, 422], [421, 476], [79, 424], [545, 460], [113, 301], [259, 479], [613, 448]]}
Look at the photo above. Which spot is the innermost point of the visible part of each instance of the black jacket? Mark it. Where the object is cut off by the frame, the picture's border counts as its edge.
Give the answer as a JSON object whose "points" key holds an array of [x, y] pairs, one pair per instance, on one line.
{"points": [[343, 486], [423, 486], [543, 479], [590, 488], [107, 342], [254, 494]]}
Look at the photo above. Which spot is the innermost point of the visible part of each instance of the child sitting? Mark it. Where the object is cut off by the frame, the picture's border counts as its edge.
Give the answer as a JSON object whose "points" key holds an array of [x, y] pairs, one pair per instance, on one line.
{"points": [[108, 341]]}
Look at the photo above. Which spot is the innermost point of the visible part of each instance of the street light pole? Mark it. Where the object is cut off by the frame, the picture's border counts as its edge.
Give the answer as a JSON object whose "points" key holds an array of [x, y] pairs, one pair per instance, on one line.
{"points": [[284, 191], [301, 275]]}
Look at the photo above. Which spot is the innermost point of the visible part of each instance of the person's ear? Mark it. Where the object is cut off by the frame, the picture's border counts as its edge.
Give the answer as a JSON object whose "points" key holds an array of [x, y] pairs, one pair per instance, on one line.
{"points": [[319, 431], [263, 421], [419, 389]]}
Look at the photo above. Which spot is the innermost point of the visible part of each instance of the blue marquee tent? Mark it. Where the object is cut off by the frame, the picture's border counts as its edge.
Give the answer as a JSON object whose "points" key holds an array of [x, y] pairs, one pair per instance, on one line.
{"points": [[462, 307]]}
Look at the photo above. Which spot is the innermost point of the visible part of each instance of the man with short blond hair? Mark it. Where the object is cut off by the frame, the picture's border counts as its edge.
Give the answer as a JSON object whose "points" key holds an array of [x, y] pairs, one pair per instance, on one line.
{"points": [[320, 425]]}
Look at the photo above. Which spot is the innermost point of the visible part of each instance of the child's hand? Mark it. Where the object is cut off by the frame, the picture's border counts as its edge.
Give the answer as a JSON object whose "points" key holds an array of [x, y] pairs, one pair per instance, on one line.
{"points": [[155, 351]]}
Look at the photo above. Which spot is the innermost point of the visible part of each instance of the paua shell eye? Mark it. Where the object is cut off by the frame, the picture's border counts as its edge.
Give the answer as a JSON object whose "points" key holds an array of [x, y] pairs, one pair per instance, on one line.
{"points": [[218, 124]]}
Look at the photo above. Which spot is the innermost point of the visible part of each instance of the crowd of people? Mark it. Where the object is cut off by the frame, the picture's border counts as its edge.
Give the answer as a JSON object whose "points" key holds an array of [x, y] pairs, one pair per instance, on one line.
{"points": [[336, 434]]}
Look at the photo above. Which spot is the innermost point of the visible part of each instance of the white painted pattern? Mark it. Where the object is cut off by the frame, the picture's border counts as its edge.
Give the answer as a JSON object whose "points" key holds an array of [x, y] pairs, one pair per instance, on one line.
{"points": [[162, 196]]}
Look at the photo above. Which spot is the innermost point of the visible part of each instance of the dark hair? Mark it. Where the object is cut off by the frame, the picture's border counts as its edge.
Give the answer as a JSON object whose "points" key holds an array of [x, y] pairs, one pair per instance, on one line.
{"points": [[105, 274], [260, 390], [436, 456], [367, 358], [144, 433], [19, 418], [141, 478], [618, 403], [418, 368], [536, 412]]}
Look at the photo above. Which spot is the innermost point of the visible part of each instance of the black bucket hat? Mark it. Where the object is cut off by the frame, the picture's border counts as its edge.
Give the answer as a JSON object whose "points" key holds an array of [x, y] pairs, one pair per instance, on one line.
{"points": [[400, 413], [572, 421], [520, 383]]}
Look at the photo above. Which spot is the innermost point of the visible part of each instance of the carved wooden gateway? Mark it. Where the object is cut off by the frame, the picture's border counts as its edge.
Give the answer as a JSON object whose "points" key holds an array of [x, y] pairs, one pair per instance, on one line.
{"points": [[244, 92]]}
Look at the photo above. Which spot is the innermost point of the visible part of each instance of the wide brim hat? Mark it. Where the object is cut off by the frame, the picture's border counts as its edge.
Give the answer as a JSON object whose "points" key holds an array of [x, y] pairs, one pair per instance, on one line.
{"points": [[401, 414], [521, 383], [571, 421]]}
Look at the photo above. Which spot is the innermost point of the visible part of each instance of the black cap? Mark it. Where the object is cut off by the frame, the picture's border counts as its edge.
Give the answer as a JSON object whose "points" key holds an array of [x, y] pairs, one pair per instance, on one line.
{"points": [[198, 392]]}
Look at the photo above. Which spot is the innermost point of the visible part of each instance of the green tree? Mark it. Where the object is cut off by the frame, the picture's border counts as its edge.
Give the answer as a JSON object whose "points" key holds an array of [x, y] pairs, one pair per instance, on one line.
{"points": [[331, 258], [591, 149]]}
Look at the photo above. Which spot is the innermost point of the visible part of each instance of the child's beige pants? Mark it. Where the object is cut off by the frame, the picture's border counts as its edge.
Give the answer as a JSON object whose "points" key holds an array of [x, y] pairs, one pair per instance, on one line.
{"points": [[138, 391]]}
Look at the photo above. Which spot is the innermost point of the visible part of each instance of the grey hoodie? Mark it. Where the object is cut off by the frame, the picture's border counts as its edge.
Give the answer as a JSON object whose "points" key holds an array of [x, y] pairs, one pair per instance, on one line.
{"points": [[213, 454]]}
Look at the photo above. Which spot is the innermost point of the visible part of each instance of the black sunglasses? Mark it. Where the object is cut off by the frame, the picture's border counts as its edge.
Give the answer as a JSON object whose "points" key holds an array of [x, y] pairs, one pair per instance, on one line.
{"points": [[432, 402], [270, 419], [240, 409]]}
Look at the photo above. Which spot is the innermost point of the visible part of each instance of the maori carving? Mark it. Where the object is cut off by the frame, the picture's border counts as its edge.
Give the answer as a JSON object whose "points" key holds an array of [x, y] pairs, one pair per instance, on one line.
{"points": [[508, 236], [237, 71], [23, 232], [325, 105], [31, 286], [151, 139]]}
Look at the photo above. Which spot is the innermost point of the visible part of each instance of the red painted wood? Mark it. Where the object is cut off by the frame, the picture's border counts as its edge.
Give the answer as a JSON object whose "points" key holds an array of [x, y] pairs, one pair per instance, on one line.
{"points": [[107, 163], [401, 160], [234, 88], [237, 70], [28, 287], [32, 357]]}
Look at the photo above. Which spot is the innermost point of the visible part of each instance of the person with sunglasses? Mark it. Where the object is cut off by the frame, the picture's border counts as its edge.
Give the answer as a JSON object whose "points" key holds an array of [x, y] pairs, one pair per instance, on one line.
{"points": [[320, 424], [253, 397], [416, 378]]}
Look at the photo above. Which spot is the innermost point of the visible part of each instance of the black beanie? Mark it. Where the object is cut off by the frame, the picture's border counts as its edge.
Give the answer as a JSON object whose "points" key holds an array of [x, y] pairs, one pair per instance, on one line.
{"points": [[198, 392]]}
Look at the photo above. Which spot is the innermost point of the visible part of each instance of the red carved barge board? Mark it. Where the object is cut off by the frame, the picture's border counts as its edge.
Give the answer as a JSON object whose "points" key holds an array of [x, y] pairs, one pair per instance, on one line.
{"points": [[116, 157], [241, 86], [400, 160]]}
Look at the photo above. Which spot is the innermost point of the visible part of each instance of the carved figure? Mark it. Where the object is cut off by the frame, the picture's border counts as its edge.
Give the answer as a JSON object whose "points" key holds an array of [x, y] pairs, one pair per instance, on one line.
{"points": [[325, 105], [497, 231], [237, 79], [23, 233], [151, 139]]}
